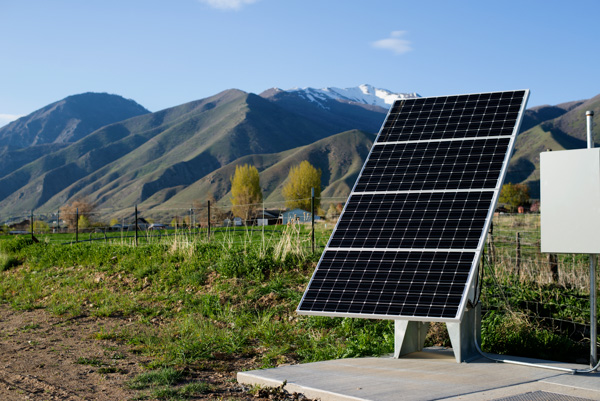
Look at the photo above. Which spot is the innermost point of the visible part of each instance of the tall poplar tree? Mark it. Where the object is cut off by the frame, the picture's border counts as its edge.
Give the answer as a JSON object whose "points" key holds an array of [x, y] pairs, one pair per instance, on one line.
{"points": [[246, 193], [297, 190]]}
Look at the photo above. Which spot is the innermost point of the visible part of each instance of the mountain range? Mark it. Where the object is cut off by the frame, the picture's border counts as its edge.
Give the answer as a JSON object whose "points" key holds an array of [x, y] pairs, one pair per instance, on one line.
{"points": [[117, 154]]}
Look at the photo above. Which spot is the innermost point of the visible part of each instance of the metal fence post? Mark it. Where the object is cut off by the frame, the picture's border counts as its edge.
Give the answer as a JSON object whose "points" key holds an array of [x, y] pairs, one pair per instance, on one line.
{"points": [[312, 216], [518, 254], [76, 225], [589, 116], [491, 245], [208, 232], [136, 226], [31, 224]]}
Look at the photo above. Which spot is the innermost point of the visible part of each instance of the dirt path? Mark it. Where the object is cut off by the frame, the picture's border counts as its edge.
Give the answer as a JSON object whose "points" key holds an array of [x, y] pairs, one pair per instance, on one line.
{"points": [[44, 357]]}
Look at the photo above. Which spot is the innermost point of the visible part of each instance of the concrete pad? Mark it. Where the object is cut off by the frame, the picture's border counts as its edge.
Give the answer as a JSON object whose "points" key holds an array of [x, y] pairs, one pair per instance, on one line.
{"points": [[427, 375]]}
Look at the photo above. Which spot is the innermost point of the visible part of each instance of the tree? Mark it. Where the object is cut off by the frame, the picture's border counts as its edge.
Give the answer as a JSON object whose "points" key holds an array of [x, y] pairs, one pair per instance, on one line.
{"points": [[84, 222], [332, 212], [40, 227], [69, 212], [246, 193], [514, 195], [176, 222], [297, 190], [114, 222]]}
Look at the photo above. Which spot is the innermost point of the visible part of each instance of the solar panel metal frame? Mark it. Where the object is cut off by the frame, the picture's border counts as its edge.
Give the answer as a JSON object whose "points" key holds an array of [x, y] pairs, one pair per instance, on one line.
{"points": [[469, 287]]}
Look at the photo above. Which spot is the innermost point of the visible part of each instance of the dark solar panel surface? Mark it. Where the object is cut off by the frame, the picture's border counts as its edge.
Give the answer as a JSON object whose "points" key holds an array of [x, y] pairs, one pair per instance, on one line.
{"points": [[413, 220], [464, 116], [408, 283], [407, 241], [464, 164]]}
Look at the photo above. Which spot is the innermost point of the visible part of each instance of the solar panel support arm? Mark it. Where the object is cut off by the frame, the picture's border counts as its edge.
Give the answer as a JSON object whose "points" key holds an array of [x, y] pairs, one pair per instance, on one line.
{"points": [[463, 334], [409, 336]]}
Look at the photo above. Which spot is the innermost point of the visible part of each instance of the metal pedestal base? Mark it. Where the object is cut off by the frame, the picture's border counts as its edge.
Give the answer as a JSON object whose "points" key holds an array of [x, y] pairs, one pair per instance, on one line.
{"points": [[410, 336]]}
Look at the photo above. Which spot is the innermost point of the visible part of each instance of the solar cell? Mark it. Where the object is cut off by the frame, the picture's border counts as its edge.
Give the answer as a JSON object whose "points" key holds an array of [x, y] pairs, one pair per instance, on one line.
{"points": [[406, 245]]}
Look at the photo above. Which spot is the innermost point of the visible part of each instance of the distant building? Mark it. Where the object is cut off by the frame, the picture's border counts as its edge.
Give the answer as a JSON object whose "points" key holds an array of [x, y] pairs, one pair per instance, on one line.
{"points": [[267, 217], [157, 226], [299, 215], [236, 221], [20, 226]]}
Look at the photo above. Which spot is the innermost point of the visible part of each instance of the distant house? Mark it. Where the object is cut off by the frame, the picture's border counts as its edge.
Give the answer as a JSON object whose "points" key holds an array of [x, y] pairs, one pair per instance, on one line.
{"points": [[116, 227], [299, 215], [157, 226], [235, 222], [20, 226], [267, 217], [142, 224]]}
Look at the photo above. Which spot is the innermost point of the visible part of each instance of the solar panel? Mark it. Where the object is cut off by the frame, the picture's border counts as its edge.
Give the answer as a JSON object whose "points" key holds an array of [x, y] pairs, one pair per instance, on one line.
{"points": [[407, 243]]}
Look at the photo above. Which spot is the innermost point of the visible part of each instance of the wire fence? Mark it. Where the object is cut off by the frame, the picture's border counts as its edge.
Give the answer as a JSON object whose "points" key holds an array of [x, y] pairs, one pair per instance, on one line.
{"points": [[211, 221], [550, 289]]}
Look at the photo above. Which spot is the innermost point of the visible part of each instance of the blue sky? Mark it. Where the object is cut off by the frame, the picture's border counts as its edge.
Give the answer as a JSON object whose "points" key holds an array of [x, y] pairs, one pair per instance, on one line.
{"points": [[164, 53]]}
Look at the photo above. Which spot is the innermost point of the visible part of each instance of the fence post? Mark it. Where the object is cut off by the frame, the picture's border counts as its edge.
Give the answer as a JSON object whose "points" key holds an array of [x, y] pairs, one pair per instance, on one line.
{"points": [[518, 255], [491, 245], [312, 216], [193, 220], [31, 225], [58, 221], [76, 225], [136, 226], [553, 264], [208, 232]]}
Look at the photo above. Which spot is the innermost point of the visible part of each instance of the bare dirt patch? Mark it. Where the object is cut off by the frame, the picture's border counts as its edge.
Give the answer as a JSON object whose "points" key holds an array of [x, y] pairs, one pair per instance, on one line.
{"points": [[45, 357], [49, 357]]}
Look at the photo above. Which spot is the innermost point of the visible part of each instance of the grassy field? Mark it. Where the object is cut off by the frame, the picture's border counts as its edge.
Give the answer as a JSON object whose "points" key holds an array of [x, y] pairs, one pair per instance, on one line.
{"points": [[230, 303]]}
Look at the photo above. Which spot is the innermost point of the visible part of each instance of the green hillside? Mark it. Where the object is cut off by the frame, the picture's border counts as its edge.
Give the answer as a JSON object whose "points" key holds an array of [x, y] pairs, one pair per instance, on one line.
{"points": [[567, 131], [154, 156], [340, 158]]}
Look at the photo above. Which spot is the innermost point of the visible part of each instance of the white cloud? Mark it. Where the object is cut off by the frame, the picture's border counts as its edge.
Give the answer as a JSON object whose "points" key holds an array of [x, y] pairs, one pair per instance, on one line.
{"points": [[395, 43], [6, 118], [228, 4]]}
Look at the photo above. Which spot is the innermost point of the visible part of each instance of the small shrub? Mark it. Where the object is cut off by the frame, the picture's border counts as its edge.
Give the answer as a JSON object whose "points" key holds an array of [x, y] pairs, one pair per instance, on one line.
{"points": [[15, 244]]}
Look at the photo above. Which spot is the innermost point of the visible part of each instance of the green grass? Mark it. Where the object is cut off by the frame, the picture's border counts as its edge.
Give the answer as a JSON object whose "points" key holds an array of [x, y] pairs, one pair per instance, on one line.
{"points": [[159, 377], [97, 362], [168, 384]]}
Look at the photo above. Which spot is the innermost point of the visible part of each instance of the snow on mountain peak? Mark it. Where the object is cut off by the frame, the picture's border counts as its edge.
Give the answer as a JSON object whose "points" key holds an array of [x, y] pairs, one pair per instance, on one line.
{"points": [[364, 94]]}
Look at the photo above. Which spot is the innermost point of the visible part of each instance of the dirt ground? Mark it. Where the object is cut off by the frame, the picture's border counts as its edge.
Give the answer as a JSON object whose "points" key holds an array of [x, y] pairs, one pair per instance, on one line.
{"points": [[46, 357], [43, 357]]}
